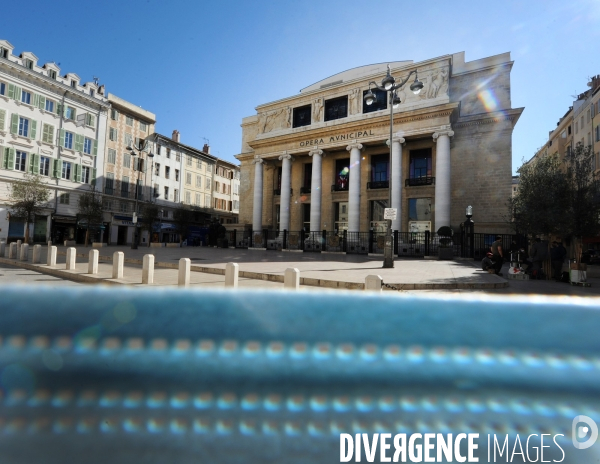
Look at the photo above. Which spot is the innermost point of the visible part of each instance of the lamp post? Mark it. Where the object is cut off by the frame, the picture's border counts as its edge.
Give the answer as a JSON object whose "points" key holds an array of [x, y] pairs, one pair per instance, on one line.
{"points": [[135, 152], [389, 85]]}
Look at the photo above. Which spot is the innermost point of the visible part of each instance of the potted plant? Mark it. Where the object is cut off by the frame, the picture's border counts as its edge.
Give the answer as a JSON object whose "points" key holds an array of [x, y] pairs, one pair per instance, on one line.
{"points": [[445, 250]]}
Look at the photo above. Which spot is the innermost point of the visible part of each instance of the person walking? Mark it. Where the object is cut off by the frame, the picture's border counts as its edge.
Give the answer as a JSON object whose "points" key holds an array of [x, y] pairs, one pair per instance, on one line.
{"points": [[498, 253], [557, 254], [539, 254]]}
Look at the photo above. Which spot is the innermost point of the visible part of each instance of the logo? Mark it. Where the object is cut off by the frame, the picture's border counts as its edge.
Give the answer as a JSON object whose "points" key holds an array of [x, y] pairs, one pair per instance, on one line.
{"points": [[580, 431]]}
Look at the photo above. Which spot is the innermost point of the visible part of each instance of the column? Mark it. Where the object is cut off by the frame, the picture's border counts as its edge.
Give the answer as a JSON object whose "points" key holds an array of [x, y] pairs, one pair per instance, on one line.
{"points": [[442, 178], [396, 180], [258, 195], [354, 188], [315, 189], [284, 205]]}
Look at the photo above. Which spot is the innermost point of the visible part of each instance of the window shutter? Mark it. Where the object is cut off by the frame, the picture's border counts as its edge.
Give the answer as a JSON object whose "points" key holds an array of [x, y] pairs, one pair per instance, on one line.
{"points": [[14, 123], [59, 167], [33, 131], [2, 119], [78, 142], [54, 168], [35, 100], [3, 157], [42, 102], [73, 114], [58, 108], [36, 163], [11, 91], [94, 148], [62, 138], [18, 91], [78, 173], [93, 178], [11, 159]]}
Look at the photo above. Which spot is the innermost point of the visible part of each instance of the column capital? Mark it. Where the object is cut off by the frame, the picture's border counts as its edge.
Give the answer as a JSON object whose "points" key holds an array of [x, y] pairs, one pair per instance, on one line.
{"points": [[258, 160], [316, 151], [354, 144], [286, 156], [396, 138], [448, 132]]}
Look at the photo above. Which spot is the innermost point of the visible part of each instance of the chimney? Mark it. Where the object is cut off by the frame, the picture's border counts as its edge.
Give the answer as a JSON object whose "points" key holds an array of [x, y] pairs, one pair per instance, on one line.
{"points": [[206, 148], [175, 136]]}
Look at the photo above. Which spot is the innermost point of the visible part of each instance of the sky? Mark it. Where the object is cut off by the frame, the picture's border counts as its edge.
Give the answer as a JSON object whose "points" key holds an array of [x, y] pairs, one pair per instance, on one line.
{"points": [[203, 66]]}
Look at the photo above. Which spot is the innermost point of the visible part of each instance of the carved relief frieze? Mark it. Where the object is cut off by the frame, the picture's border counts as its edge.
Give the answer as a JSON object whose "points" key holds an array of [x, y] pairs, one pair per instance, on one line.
{"points": [[274, 120]]}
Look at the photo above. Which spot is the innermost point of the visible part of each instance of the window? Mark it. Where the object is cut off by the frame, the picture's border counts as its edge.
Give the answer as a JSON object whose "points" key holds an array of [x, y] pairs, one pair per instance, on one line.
{"points": [[379, 104], [166, 194], [74, 84], [301, 116], [419, 209], [26, 97], [68, 140], [2, 88], [598, 133], [198, 181], [52, 74], [342, 174], [128, 120], [143, 126], [109, 183], [20, 161], [217, 186], [209, 168], [307, 176], [66, 170], [188, 178], [3, 52], [112, 134], [168, 153], [112, 156], [199, 163], [44, 166], [188, 197], [128, 139], [175, 195], [87, 146], [64, 199], [85, 174], [177, 175], [165, 212], [114, 114], [420, 164], [167, 172], [49, 106], [177, 157], [125, 187], [91, 92], [90, 120], [24, 127], [336, 108], [107, 206], [48, 133], [379, 168], [569, 129], [207, 202], [70, 113], [207, 186], [157, 169], [28, 63], [188, 160], [126, 160], [123, 206]]}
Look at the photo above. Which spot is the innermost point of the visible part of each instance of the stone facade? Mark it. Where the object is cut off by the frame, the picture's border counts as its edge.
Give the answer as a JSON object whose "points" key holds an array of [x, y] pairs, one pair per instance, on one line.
{"points": [[462, 121]]}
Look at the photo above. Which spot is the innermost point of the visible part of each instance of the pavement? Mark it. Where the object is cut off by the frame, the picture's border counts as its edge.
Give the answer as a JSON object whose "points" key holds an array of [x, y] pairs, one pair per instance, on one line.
{"points": [[318, 271]]}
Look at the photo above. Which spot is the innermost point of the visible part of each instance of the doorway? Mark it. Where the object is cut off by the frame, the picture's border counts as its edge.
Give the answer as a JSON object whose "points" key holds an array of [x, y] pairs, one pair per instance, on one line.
{"points": [[122, 235]]}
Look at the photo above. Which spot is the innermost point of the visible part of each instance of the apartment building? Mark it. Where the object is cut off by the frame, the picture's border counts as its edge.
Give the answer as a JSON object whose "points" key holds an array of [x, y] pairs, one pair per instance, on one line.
{"points": [[126, 172], [226, 191], [53, 125], [198, 170]]}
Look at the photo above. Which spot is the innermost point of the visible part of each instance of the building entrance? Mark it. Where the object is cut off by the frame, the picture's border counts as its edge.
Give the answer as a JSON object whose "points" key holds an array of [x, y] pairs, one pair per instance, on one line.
{"points": [[122, 235]]}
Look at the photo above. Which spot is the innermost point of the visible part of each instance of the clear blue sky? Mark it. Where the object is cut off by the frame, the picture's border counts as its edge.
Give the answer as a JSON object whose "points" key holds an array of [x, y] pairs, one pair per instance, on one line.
{"points": [[202, 66]]}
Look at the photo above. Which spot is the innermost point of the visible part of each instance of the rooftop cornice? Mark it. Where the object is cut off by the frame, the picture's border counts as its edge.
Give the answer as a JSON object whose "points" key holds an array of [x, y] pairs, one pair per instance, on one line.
{"points": [[511, 115], [165, 141]]}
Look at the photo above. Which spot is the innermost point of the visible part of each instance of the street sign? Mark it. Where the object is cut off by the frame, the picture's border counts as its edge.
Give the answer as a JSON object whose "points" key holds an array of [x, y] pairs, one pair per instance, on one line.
{"points": [[134, 218], [390, 213]]}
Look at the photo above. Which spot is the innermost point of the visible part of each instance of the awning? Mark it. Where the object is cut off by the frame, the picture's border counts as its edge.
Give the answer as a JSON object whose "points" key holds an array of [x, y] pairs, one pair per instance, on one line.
{"points": [[123, 218], [166, 225], [69, 219]]}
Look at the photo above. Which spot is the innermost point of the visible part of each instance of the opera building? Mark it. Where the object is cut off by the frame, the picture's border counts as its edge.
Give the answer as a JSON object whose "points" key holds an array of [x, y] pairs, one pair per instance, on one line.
{"points": [[320, 160]]}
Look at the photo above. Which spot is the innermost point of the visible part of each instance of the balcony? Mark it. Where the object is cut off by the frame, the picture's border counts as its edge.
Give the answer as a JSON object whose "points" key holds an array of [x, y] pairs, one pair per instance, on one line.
{"points": [[340, 187], [109, 190], [380, 184], [418, 181], [278, 191], [124, 193], [304, 189]]}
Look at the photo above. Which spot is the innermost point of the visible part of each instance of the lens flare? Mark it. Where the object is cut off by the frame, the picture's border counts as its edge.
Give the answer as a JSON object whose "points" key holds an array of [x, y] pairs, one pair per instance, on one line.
{"points": [[488, 99]]}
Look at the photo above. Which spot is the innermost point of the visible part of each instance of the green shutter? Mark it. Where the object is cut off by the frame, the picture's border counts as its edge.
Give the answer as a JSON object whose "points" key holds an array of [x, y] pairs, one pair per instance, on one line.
{"points": [[11, 159], [93, 179], [2, 119], [95, 148], [62, 138], [58, 108], [18, 91], [33, 131], [3, 157], [35, 99], [54, 168], [78, 142], [59, 166], [36, 163], [30, 160], [77, 172], [14, 123], [11, 91], [42, 102], [73, 114]]}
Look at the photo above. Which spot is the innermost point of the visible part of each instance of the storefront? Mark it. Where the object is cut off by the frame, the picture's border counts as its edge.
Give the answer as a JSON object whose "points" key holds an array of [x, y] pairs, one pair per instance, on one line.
{"points": [[63, 228]]}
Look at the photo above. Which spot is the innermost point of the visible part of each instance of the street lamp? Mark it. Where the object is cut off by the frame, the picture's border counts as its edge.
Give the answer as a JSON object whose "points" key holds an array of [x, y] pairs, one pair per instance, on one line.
{"points": [[389, 84], [135, 152]]}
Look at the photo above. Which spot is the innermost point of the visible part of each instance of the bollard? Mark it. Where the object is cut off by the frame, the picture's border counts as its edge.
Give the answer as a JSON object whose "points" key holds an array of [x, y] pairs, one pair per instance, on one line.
{"points": [[148, 269], [24, 256], [118, 259], [37, 254], [373, 283], [2, 248], [12, 251], [184, 272], [291, 279], [19, 243], [51, 256], [71, 252], [93, 262], [232, 271]]}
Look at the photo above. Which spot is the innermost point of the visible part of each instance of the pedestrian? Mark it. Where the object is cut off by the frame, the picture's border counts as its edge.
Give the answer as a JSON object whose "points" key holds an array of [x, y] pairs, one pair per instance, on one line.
{"points": [[539, 254], [498, 253], [557, 255]]}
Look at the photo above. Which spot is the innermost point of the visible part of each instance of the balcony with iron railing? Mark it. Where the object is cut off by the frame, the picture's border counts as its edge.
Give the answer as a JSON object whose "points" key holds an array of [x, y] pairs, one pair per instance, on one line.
{"points": [[418, 181], [340, 187], [378, 184], [278, 191]]}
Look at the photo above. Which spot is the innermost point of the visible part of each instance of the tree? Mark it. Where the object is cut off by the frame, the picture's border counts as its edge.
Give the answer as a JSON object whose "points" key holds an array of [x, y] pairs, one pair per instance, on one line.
{"points": [[150, 217], [182, 217], [27, 198], [90, 211]]}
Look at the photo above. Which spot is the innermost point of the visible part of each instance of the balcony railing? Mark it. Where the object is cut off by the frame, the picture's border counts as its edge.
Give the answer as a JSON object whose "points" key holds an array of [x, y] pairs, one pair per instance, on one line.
{"points": [[417, 181], [124, 193], [379, 184], [278, 191], [109, 190], [340, 187], [304, 189]]}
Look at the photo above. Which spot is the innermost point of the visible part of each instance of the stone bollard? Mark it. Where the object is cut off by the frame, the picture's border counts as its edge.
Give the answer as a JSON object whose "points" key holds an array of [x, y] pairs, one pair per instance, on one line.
{"points": [[232, 271], [148, 269], [118, 259], [51, 256], [37, 254], [291, 279], [12, 251], [71, 255], [183, 279], [24, 256], [2, 248], [93, 262], [19, 243], [373, 283]]}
